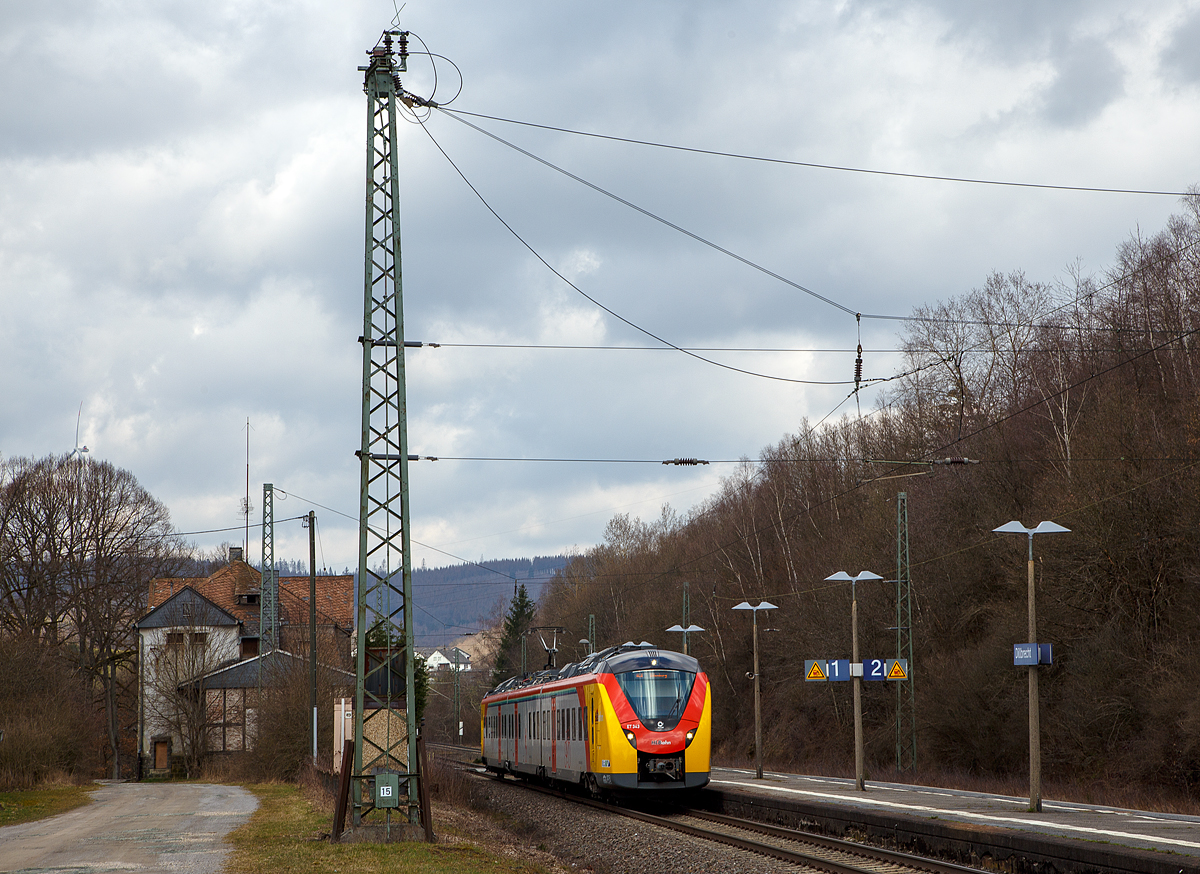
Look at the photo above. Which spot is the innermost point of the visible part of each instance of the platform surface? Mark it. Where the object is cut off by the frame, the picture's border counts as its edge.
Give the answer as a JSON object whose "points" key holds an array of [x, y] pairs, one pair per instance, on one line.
{"points": [[1166, 832]]}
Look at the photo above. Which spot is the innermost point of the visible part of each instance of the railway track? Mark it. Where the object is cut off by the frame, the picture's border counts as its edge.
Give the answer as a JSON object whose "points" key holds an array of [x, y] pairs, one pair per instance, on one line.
{"points": [[1012, 851], [808, 851]]}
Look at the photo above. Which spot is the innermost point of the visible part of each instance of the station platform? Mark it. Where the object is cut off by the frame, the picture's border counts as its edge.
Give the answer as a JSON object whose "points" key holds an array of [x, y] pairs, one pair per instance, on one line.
{"points": [[1172, 839]]}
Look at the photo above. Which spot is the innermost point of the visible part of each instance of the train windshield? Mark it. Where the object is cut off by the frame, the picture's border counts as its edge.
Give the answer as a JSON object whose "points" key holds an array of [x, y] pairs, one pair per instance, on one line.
{"points": [[657, 696]]}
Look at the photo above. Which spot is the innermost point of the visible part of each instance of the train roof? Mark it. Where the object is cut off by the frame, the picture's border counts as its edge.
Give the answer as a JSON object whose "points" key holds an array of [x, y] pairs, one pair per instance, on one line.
{"points": [[628, 656]]}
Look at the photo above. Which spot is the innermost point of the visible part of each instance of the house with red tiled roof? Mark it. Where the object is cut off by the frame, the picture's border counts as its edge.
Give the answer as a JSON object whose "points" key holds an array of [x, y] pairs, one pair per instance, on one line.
{"points": [[197, 628], [237, 588]]}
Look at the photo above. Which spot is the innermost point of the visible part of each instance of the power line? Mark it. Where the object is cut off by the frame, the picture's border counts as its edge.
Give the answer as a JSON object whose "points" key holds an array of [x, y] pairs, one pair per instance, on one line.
{"points": [[417, 542], [818, 166], [587, 296], [657, 218], [568, 346], [940, 450], [746, 261], [223, 530]]}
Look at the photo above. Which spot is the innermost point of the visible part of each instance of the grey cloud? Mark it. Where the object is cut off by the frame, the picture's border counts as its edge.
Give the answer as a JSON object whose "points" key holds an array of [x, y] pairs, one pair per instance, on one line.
{"points": [[1089, 77], [1181, 59]]}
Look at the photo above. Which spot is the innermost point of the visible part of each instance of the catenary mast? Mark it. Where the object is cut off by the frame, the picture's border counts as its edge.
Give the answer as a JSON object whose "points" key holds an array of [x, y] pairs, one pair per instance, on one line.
{"points": [[385, 728]]}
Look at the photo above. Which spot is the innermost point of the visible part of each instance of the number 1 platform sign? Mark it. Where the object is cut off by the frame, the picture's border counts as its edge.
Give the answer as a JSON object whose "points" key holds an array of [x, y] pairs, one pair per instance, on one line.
{"points": [[835, 670]]}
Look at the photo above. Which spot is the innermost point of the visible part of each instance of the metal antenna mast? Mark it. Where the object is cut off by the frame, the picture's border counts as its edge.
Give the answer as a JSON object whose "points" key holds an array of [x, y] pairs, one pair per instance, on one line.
{"points": [[906, 703], [385, 725]]}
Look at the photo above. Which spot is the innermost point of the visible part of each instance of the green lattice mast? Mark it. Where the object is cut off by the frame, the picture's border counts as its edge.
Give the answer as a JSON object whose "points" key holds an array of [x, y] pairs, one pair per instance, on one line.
{"points": [[385, 714]]}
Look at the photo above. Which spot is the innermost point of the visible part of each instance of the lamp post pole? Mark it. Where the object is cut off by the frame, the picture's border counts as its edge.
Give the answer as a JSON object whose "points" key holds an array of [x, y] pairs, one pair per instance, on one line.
{"points": [[1035, 729], [764, 605], [856, 672]]}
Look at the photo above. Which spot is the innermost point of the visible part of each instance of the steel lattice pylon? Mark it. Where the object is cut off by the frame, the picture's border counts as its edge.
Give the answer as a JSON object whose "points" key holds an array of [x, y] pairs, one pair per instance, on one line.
{"points": [[906, 702], [268, 590], [384, 721]]}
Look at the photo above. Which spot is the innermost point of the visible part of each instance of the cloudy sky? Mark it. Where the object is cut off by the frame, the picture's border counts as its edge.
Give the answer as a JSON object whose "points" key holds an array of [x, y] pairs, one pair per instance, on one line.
{"points": [[181, 231]]}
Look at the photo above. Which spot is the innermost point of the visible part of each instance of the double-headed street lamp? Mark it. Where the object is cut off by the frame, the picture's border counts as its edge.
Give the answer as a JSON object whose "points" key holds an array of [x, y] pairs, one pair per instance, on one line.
{"points": [[856, 668], [1035, 739], [690, 629], [764, 605]]}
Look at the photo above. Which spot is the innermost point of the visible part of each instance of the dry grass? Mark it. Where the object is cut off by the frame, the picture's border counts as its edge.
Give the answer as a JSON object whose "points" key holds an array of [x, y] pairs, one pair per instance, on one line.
{"points": [[288, 833], [49, 800]]}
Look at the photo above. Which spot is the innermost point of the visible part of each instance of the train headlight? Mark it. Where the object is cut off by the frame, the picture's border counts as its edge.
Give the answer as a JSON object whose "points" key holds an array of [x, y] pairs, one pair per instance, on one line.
{"points": [[688, 737], [632, 740]]}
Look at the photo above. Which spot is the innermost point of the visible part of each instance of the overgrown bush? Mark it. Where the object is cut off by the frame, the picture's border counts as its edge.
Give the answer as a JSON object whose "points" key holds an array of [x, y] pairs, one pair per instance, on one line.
{"points": [[48, 723]]}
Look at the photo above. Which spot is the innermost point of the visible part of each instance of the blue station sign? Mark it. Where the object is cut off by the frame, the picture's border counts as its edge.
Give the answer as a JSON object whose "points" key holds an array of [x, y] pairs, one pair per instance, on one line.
{"points": [[835, 670], [1025, 654]]}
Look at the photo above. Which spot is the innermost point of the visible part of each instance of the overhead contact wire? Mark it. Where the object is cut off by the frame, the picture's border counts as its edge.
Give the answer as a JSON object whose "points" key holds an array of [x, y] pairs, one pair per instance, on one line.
{"points": [[657, 218], [817, 166], [597, 303]]}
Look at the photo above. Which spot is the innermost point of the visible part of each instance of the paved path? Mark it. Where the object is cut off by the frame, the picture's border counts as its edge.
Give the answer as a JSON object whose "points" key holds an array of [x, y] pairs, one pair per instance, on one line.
{"points": [[143, 827]]}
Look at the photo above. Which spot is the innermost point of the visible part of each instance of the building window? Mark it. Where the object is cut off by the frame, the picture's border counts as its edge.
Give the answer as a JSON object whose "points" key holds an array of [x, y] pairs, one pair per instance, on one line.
{"points": [[175, 638]]}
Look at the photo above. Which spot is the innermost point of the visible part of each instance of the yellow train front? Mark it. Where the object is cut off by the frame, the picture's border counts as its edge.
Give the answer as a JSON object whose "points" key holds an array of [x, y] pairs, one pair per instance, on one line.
{"points": [[628, 719]]}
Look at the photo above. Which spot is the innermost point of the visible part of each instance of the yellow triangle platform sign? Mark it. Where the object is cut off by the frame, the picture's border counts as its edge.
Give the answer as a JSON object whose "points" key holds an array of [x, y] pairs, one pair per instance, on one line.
{"points": [[897, 671], [815, 672]]}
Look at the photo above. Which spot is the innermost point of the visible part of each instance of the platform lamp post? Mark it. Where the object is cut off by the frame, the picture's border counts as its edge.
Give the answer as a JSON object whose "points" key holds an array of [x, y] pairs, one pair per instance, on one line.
{"points": [[690, 629], [1035, 732], [764, 605], [856, 670]]}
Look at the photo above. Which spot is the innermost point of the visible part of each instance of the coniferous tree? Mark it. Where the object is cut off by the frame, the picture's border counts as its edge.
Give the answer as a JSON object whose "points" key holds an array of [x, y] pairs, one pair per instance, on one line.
{"points": [[517, 622]]}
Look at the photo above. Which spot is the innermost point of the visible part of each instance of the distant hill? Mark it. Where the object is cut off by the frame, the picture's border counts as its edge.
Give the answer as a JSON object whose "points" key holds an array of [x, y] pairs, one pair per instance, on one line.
{"points": [[454, 600], [451, 601]]}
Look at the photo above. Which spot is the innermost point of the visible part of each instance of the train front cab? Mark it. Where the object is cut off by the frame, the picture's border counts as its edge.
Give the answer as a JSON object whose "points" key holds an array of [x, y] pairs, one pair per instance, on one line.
{"points": [[651, 723]]}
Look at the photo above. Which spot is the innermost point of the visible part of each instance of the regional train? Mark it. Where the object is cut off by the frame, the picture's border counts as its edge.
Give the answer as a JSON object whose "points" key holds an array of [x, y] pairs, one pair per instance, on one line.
{"points": [[629, 719]]}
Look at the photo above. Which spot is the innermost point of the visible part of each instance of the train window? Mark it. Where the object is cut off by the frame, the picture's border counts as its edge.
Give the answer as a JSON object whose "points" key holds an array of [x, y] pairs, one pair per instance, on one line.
{"points": [[657, 695]]}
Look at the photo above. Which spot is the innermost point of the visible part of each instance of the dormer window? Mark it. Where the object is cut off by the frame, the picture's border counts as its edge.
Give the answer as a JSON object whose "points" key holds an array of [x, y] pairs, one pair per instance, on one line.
{"points": [[249, 598]]}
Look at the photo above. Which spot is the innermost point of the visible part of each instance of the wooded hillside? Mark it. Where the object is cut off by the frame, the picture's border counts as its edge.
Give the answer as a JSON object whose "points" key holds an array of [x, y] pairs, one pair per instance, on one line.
{"points": [[1079, 401]]}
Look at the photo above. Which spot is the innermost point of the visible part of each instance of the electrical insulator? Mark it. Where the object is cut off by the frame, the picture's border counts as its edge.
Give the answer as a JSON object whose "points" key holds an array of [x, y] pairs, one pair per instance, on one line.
{"points": [[858, 368]]}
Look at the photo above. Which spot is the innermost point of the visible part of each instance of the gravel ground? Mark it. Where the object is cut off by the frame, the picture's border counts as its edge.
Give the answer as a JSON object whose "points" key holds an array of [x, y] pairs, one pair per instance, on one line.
{"points": [[509, 819]]}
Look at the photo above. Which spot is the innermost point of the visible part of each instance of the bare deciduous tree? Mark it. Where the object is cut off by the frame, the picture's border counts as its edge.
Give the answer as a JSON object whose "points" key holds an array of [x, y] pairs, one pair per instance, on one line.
{"points": [[79, 542]]}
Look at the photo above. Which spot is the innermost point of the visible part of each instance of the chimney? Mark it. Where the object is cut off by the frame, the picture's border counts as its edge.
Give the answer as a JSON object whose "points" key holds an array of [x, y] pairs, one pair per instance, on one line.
{"points": [[235, 553]]}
